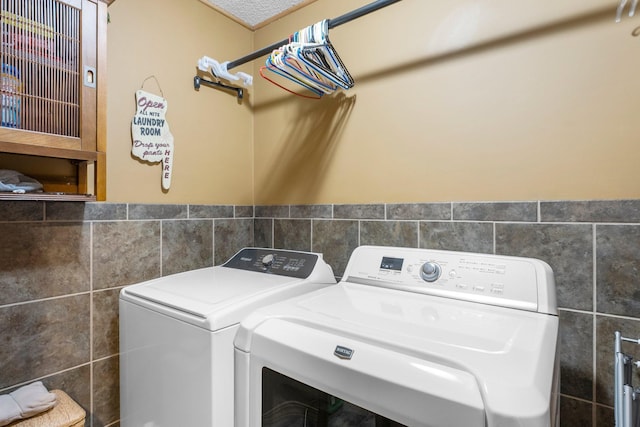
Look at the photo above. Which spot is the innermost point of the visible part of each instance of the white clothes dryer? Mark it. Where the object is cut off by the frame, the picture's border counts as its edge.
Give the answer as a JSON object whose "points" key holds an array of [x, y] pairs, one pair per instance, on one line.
{"points": [[409, 337], [176, 334]]}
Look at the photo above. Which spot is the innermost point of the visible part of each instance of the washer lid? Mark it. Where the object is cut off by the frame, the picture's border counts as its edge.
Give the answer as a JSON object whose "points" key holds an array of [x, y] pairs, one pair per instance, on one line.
{"points": [[214, 297], [510, 352], [218, 297]]}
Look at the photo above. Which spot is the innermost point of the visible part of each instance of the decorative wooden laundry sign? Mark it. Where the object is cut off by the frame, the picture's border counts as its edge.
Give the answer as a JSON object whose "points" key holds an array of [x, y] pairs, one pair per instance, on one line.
{"points": [[152, 139]]}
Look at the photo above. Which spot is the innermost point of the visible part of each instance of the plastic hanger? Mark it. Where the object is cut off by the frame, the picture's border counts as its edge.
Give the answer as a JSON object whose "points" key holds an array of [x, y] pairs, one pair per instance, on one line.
{"points": [[274, 64], [310, 60], [296, 72], [326, 62], [283, 64], [263, 68], [292, 61], [322, 57], [220, 71], [620, 9]]}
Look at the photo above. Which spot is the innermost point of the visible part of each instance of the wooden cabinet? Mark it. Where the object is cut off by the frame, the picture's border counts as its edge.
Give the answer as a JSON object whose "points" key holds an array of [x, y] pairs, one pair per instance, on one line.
{"points": [[53, 58]]}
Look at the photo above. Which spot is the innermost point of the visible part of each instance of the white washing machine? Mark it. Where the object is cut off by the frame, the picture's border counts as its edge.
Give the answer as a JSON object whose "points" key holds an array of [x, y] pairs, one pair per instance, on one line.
{"points": [[409, 337], [176, 334]]}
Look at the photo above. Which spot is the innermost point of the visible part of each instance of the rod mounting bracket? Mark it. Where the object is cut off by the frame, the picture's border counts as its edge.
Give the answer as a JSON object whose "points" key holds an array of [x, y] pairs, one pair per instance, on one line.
{"points": [[199, 81]]}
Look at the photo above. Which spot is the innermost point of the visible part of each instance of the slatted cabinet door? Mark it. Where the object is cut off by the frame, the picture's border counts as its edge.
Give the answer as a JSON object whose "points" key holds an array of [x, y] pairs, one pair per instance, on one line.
{"points": [[50, 57]]}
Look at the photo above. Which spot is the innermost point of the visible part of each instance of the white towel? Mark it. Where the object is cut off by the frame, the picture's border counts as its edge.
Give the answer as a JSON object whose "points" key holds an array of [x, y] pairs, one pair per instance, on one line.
{"points": [[12, 181], [25, 402], [9, 410], [33, 399]]}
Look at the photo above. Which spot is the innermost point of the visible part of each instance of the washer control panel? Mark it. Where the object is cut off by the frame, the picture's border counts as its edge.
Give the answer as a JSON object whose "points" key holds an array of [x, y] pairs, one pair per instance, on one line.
{"points": [[522, 283], [274, 261]]}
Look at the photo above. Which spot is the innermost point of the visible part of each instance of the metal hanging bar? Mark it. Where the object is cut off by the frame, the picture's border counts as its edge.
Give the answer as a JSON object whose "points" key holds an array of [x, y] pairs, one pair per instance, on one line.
{"points": [[343, 19], [199, 81]]}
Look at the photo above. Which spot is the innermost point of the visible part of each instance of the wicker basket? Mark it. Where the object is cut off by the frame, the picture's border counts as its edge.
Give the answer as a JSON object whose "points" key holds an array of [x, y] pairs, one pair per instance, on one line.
{"points": [[66, 413]]}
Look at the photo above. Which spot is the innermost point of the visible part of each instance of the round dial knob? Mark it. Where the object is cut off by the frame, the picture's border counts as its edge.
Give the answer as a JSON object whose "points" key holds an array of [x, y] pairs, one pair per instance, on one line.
{"points": [[267, 260], [430, 271]]}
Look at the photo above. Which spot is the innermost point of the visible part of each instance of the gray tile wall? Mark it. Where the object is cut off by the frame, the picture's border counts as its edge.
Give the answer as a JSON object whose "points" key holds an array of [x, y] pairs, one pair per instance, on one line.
{"points": [[63, 264], [592, 246]]}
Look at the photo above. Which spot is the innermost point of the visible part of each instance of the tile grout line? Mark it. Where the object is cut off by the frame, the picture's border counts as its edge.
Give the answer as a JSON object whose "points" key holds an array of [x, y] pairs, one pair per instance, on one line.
{"points": [[51, 298], [91, 286], [213, 238], [594, 347], [49, 375], [494, 237], [160, 260]]}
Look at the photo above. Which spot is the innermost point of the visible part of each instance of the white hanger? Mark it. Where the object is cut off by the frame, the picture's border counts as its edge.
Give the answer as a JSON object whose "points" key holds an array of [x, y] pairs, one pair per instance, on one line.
{"points": [[321, 56], [620, 10], [311, 61], [220, 71]]}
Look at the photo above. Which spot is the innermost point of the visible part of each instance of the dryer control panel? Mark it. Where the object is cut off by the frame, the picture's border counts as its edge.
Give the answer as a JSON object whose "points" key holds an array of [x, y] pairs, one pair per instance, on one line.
{"points": [[274, 261], [514, 282]]}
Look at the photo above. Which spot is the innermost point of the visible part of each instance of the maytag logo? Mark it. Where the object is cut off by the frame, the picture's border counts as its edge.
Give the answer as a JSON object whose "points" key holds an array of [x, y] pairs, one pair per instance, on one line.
{"points": [[343, 352]]}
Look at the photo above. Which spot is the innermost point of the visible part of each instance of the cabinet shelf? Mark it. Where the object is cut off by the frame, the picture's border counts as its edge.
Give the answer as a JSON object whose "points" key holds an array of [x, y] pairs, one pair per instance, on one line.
{"points": [[51, 197]]}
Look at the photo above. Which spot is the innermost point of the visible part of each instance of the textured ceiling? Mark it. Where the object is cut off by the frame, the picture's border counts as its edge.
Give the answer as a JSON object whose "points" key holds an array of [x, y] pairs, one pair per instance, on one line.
{"points": [[254, 13]]}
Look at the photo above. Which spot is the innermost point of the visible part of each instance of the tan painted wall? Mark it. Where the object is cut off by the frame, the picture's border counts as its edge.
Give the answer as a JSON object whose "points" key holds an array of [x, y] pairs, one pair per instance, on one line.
{"points": [[213, 161], [471, 100], [464, 100]]}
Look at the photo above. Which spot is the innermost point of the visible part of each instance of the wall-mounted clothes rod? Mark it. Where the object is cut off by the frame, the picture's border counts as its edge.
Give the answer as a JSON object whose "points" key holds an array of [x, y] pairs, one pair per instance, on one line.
{"points": [[343, 19], [220, 70]]}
